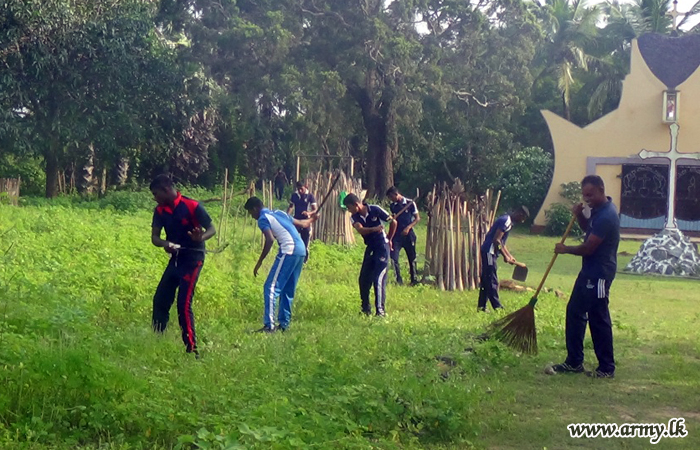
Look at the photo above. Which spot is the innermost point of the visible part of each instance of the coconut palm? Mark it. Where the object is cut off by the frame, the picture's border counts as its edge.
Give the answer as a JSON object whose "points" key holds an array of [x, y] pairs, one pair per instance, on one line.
{"points": [[570, 30]]}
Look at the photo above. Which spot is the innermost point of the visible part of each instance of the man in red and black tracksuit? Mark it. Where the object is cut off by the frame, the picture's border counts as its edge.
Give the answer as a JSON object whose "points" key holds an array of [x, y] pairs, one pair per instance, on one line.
{"points": [[187, 225]]}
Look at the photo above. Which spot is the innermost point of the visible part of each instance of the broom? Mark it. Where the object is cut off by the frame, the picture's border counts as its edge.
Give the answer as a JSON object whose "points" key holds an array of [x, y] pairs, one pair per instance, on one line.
{"points": [[517, 329]]}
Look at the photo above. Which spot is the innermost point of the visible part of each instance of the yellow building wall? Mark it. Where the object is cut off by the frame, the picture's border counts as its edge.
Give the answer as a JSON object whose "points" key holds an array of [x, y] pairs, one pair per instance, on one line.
{"points": [[613, 183], [623, 133]]}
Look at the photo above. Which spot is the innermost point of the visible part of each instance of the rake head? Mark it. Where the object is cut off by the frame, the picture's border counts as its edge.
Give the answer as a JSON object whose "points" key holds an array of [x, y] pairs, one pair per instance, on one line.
{"points": [[517, 330]]}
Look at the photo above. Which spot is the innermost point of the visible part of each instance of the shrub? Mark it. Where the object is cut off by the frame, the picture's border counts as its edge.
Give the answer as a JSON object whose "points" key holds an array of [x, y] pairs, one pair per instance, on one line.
{"points": [[557, 217], [526, 179]]}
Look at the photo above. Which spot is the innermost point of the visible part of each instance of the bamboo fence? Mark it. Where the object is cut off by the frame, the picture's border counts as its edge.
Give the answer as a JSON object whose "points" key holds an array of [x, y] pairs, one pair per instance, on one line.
{"points": [[456, 228], [333, 225]]}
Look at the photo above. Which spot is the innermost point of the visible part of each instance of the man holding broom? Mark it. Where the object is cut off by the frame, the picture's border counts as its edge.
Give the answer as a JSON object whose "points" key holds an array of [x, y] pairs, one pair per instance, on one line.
{"points": [[304, 204], [187, 225], [367, 220], [405, 237], [590, 297], [283, 277], [495, 244]]}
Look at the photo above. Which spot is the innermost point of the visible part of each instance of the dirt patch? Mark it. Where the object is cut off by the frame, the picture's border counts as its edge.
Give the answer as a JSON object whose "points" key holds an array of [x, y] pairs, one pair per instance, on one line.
{"points": [[664, 414]]}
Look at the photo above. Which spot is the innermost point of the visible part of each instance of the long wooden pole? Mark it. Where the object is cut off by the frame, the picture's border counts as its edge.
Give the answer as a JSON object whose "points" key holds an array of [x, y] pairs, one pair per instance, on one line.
{"points": [[223, 207]]}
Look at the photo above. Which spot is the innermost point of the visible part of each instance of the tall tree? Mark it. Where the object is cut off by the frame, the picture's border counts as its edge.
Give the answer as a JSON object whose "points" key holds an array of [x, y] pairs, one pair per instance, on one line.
{"points": [[570, 30], [373, 47], [79, 74], [475, 63]]}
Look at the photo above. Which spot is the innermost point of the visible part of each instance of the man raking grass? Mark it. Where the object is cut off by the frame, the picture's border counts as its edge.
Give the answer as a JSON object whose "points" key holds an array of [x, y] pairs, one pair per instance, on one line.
{"points": [[591, 295]]}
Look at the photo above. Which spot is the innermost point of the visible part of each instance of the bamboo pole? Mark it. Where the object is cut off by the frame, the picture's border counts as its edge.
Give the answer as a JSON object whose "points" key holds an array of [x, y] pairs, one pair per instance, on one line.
{"points": [[223, 207], [459, 263], [495, 209]]}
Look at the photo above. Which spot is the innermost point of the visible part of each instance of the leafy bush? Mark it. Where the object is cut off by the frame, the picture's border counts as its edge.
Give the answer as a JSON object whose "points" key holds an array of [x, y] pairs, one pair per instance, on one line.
{"points": [[29, 169], [571, 191], [526, 179], [557, 217]]}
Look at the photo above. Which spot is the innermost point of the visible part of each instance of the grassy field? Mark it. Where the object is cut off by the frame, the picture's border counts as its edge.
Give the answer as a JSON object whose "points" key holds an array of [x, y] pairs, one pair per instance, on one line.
{"points": [[81, 369]]}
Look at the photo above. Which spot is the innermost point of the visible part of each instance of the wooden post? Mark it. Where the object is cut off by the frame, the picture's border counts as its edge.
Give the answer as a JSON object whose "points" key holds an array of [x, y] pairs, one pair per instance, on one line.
{"points": [[223, 207], [298, 166], [352, 167]]}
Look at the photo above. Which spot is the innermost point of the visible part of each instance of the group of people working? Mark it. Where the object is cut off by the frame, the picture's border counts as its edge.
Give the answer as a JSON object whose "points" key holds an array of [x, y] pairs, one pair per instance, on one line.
{"points": [[188, 225]]}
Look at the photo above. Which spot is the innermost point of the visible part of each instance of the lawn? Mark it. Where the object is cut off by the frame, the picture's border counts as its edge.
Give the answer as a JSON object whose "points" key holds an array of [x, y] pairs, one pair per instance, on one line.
{"points": [[80, 368]]}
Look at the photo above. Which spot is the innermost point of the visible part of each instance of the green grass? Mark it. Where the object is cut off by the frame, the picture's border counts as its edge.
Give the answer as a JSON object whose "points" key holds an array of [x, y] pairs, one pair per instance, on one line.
{"points": [[80, 368]]}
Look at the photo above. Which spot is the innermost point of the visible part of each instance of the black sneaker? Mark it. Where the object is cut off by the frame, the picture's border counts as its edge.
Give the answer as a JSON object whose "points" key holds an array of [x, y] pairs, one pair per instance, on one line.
{"points": [[381, 314], [565, 368], [266, 329], [483, 310], [600, 374], [366, 313]]}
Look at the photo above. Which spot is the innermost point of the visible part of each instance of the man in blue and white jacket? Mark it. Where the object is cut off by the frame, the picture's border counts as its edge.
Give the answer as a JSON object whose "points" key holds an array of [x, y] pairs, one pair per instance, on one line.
{"points": [[284, 275]]}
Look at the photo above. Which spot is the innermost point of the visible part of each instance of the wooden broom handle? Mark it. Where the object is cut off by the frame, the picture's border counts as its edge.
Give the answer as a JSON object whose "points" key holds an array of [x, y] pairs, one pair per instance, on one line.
{"points": [[408, 205], [330, 189], [554, 257]]}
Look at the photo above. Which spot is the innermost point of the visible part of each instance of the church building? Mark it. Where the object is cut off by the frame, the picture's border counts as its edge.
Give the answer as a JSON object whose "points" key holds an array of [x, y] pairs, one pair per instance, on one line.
{"points": [[645, 146]]}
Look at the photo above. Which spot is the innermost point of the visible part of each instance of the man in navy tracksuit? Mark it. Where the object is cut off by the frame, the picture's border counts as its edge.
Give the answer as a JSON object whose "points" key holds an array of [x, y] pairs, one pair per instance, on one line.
{"points": [[590, 298], [405, 237], [187, 225], [283, 277], [367, 220], [494, 245], [304, 204]]}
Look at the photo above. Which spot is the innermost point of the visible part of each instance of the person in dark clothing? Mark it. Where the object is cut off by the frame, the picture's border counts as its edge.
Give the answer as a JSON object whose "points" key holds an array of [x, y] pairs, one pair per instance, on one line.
{"points": [[590, 298], [187, 225], [304, 204], [405, 237], [280, 183], [367, 220], [494, 245]]}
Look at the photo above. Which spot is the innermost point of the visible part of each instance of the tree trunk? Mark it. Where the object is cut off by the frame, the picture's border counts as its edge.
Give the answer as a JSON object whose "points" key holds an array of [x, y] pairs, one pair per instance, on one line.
{"points": [[103, 182], [87, 173], [381, 170], [122, 171], [376, 120], [51, 159]]}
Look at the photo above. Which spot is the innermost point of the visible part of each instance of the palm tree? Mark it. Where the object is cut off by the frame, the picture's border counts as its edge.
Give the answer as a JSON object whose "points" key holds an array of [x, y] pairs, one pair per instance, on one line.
{"points": [[624, 22], [570, 30]]}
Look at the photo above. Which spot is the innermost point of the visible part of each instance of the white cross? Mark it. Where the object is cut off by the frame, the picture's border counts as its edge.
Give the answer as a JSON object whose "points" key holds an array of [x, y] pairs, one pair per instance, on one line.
{"points": [[674, 13], [672, 155]]}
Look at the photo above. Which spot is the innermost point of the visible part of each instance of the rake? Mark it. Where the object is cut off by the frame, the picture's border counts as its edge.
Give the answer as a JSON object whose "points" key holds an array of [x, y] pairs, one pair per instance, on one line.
{"points": [[517, 329]]}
